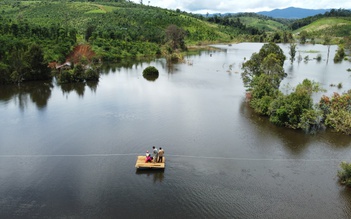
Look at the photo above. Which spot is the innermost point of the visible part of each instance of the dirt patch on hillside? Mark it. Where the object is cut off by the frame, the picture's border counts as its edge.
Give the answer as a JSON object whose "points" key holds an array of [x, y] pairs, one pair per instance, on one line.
{"points": [[81, 52]]}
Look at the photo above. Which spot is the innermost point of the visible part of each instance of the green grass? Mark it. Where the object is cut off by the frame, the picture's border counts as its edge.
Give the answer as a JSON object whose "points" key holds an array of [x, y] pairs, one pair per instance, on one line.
{"points": [[309, 51], [97, 11], [339, 27], [263, 24]]}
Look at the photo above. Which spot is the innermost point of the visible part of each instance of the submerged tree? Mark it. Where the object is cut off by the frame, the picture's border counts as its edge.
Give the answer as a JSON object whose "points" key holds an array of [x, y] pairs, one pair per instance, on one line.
{"points": [[345, 174], [337, 112], [292, 52], [269, 61], [289, 109], [340, 54]]}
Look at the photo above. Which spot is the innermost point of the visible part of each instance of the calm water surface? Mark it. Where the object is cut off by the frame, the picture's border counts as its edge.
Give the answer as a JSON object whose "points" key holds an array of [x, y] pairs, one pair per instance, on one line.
{"points": [[69, 151]]}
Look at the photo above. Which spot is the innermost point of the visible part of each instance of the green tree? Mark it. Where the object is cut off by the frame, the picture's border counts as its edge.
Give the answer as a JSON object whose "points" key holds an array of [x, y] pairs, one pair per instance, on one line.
{"points": [[311, 120], [263, 94], [37, 67], [175, 36], [292, 52], [18, 66], [340, 54], [288, 110], [269, 60], [337, 112], [303, 36], [345, 174]]}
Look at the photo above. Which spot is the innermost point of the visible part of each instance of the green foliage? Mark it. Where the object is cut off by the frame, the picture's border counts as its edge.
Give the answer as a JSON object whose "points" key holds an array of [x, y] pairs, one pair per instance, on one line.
{"points": [[150, 73], [261, 105], [340, 121], [263, 74], [79, 73], [294, 110], [288, 110], [311, 121], [308, 20], [319, 57], [37, 69], [114, 29], [269, 60], [303, 36], [339, 86], [339, 55], [150, 70], [345, 174], [65, 76], [292, 52], [337, 112], [175, 36], [92, 74]]}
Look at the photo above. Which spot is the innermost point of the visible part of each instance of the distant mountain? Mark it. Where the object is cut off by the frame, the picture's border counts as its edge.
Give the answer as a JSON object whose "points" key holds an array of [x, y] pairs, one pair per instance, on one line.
{"points": [[293, 13]]}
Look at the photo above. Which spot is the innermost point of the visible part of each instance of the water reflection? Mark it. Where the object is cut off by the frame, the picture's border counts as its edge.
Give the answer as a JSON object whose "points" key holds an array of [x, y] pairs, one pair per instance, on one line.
{"points": [[345, 194], [79, 88], [152, 77], [34, 92], [295, 141], [124, 63], [157, 175]]}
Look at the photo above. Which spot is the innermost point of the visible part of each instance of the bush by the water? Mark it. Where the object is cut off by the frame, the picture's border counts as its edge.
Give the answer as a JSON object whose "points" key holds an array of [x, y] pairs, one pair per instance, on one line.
{"points": [[345, 174], [150, 71]]}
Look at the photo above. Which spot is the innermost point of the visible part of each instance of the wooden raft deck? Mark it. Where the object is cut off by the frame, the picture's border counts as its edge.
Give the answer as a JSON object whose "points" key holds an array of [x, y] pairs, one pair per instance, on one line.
{"points": [[140, 164]]}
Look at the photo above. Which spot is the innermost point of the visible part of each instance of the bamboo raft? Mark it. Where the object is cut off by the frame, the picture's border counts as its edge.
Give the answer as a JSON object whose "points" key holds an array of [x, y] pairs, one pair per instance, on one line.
{"points": [[140, 164]]}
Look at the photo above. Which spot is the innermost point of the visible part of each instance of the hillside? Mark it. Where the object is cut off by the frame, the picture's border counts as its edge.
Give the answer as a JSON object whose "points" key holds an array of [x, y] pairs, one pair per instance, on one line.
{"points": [[334, 26], [337, 29], [114, 29], [261, 22]]}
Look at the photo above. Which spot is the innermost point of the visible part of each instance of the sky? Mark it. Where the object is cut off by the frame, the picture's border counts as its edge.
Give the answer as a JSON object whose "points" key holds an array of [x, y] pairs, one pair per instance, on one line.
{"points": [[233, 6]]}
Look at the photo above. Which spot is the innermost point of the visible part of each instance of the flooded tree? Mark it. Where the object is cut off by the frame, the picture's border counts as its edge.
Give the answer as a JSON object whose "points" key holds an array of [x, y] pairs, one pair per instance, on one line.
{"points": [[292, 52]]}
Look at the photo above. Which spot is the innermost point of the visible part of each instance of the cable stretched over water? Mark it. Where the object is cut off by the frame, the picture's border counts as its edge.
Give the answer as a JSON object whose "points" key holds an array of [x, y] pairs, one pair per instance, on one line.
{"points": [[168, 155]]}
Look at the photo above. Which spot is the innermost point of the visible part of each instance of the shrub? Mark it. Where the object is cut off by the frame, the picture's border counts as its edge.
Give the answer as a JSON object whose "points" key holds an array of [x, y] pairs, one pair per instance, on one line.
{"points": [[345, 174], [319, 57], [311, 121], [339, 55], [150, 71], [340, 121], [91, 75]]}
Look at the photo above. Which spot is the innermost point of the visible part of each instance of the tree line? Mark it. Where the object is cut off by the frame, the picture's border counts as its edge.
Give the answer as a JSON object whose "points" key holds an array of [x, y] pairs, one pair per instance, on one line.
{"points": [[26, 49], [262, 75]]}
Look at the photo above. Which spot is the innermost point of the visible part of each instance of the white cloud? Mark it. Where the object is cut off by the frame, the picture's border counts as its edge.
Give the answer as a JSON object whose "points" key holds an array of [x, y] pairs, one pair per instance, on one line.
{"points": [[223, 6]]}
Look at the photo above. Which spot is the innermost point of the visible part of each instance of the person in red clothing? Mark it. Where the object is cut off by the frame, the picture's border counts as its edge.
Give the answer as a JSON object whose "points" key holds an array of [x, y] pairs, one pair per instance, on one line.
{"points": [[148, 157]]}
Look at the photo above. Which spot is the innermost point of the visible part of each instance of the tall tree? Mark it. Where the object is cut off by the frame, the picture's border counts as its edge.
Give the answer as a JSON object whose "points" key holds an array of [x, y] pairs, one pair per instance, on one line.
{"points": [[292, 52], [38, 69], [175, 36], [269, 60]]}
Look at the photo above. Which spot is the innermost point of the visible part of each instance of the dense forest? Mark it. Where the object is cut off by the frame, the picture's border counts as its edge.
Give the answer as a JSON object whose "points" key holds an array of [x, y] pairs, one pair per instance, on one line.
{"points": [[34, 34]]}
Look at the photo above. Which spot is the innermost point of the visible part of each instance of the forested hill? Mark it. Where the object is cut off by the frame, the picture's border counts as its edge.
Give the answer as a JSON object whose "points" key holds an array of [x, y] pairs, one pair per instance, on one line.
{"points": [[118, 29], [114, 29]]}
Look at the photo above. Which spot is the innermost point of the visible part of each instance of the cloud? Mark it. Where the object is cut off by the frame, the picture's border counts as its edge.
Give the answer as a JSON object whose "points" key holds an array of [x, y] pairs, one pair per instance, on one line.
{"points": [[223, 6]]}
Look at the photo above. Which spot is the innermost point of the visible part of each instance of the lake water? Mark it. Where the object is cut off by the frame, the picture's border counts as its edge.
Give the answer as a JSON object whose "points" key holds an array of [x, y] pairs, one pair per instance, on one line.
{"points": [[69, 151]]}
